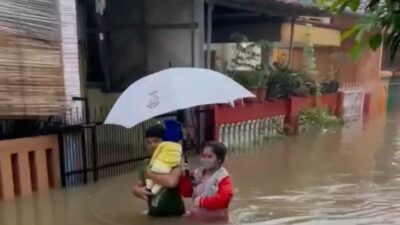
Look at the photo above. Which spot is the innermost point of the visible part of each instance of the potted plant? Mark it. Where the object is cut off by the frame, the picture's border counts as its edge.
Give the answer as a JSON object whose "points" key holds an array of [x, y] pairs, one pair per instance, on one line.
{"points": [[243, 61], [258, 81], [330, 84], [252, 83], [242, 79], [303, 91], [284, 82]]}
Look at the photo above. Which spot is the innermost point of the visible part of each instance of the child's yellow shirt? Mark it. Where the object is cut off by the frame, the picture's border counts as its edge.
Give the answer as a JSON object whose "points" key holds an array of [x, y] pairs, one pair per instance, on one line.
{"points": [[167, 155]]}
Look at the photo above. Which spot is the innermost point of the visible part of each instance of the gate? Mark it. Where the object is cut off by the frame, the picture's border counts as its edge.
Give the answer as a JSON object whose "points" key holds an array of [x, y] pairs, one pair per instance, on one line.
{"points": [[353, 103], [393, 93], [92, 150]]}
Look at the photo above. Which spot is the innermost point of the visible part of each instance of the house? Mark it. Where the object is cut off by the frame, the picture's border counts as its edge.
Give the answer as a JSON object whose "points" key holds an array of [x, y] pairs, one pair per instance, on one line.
{"points": [[284, 24], [92, 50]]}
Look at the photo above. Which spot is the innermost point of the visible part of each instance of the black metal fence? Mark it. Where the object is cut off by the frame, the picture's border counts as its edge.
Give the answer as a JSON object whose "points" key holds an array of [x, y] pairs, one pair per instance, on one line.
{"points": [[89, 149], [92, 150]]}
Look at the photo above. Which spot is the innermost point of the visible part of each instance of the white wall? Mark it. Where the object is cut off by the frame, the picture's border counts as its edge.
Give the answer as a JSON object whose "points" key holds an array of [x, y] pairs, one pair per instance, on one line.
{"points": [[70, 57], [225, 52]]}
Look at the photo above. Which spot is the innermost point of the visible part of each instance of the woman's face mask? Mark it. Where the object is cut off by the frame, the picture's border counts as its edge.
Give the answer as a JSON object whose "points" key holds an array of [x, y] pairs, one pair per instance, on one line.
{"points": [[208, 159], [208, 163]]}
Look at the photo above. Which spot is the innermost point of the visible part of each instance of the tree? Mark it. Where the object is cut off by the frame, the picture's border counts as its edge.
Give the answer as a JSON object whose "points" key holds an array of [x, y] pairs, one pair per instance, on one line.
{"points": [[379, 24]]}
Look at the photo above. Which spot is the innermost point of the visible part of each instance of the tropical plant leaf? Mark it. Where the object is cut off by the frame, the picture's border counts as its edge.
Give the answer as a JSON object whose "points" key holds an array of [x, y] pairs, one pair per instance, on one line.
{"points": [[354, 4], [337, 4], [359, 34], [343, 6], [396, 19], [349, 33], [380, 16], [375, 41], [355, 51]]}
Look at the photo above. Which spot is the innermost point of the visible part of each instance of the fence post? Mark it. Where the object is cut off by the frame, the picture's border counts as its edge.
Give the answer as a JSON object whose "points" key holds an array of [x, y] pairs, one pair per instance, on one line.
{"points": [[84, 155], [94, 154], [86, 116], [62, 158]]}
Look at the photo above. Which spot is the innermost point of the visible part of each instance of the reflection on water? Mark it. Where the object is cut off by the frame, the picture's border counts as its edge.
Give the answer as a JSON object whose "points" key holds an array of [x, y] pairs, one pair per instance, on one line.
{"points": [[347, 176]]}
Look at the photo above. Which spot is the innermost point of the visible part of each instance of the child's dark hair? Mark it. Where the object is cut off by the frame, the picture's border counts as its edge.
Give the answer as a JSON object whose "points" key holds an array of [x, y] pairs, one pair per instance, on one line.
{"points": [[157, 131], [218, 148]]}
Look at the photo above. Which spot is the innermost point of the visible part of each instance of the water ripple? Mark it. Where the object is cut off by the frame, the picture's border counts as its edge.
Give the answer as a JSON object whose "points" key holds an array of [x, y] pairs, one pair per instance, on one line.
{"points": [[364, 203]]}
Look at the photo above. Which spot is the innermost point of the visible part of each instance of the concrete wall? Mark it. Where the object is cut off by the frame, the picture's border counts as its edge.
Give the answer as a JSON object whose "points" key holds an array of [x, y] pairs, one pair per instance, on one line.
{"points": [[126, 41], [166, 46], [140, 46], [97, 98]]}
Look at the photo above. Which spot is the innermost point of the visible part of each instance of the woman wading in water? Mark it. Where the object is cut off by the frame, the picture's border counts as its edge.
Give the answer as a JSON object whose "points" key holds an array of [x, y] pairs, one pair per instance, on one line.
{"points": [[209, 186]]}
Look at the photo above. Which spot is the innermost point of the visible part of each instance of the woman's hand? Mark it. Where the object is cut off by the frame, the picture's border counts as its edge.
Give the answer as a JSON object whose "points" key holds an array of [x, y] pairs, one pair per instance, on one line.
{"points": [[196, 202], [140, 192], [185, 167]]}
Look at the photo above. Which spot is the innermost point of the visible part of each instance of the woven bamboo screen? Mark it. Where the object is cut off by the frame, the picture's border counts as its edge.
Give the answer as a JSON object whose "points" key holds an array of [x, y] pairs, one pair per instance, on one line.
{"points": [[31, 79]]}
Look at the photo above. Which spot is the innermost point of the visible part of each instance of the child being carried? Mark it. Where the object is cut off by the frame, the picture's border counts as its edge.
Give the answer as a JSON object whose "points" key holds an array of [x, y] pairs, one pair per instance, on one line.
{"points": [[167, 156]]}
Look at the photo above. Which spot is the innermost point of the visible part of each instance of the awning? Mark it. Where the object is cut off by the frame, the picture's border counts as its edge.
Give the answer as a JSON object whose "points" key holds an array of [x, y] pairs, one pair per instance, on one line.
{"points": [[287, 8]]}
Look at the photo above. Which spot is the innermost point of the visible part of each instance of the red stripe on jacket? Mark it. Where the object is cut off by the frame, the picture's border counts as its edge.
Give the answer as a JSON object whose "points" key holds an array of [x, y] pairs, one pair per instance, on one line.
{"points": [[220, 200]]}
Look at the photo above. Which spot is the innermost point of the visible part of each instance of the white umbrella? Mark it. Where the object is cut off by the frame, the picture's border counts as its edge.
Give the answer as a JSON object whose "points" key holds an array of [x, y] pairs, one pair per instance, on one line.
{"points": [[170, 90]]}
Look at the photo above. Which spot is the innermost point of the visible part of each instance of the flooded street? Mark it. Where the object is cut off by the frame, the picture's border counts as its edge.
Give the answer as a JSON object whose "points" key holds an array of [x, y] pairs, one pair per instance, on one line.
{"points": [[347, 176]]}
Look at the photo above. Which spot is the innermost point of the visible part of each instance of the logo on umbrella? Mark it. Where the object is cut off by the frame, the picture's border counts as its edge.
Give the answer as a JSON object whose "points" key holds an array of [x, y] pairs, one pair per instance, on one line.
{"points": [[154, 100]]}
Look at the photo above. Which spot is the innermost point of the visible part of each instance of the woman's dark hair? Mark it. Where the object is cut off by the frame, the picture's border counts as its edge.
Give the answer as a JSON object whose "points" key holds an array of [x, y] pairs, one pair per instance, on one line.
{"points": [[157, 131], [218, 148]]}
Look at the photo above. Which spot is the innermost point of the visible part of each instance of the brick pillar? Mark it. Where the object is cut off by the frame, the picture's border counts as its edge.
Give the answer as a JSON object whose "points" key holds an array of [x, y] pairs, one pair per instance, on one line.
{"points": [[27, 165], [6, 177], [24, 175]]}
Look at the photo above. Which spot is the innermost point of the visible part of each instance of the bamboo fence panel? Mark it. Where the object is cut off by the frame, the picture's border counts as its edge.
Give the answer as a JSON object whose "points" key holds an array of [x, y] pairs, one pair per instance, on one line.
{"points": [[31, 73]]}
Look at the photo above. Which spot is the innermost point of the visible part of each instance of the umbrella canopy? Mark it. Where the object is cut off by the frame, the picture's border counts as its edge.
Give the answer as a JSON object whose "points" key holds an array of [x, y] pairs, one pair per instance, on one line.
{"points": [[170, 90]]}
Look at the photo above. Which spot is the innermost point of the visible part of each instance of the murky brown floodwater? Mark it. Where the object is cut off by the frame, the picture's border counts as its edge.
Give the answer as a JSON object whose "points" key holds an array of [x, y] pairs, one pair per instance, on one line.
{"points": [[349, 176]]}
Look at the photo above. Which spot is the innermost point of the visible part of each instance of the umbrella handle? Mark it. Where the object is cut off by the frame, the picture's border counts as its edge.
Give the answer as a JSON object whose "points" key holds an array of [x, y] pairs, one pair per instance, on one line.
{"points": [[185, 158]]}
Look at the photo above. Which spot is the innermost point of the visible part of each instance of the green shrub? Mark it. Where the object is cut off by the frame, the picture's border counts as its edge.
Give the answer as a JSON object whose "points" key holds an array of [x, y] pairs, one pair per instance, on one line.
{"points": [[319, 117]]}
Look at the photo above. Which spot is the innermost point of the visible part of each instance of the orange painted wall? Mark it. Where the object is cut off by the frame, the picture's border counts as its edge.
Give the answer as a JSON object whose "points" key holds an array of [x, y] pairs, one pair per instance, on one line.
{"points": [[28, 165], [367, 70], [324, 60]]}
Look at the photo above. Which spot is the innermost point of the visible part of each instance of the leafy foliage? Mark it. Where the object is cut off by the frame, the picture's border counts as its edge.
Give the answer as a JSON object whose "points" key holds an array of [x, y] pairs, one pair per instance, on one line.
{"points": [[309, 60], [319, 117], [282, 82], [380, 24]]}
